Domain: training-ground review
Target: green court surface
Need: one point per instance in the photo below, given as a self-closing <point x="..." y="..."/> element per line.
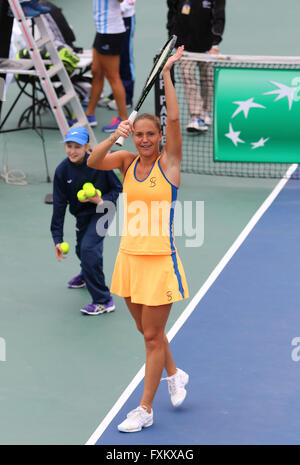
<point x="64" y="371"/>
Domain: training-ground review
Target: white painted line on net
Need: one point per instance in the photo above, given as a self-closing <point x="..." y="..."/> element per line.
<point x="194" y="302"/>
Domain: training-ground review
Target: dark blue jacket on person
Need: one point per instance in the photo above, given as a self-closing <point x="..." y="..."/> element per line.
<point x="199" y="30"/>
<point x="68" y="180"/>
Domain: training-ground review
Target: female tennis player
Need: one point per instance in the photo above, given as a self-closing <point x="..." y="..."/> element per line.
<point x="148" y="272"/>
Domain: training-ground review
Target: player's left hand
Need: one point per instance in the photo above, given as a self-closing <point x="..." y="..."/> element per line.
<point x="173" y="58"/>
<point x="213" y="51"/>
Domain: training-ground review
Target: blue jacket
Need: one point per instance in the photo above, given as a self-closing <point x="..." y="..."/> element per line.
<point x="68" y="180"/>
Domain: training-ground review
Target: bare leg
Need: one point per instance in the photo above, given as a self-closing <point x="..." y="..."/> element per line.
<point x="110" y="65"/>
<point x="97" y="83"/>
<point x="170" y="366"/>
<point x="151" y="322"/>
<point x="154" y="320"/>
<point x="136" y="312"/>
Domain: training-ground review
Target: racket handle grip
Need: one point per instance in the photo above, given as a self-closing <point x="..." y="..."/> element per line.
<point x="131" y="118"/>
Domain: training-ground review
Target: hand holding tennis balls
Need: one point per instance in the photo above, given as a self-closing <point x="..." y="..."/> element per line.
<point x="98" y="197"/>
<point x="61" y="250"/>
<point x="89" y="193"/>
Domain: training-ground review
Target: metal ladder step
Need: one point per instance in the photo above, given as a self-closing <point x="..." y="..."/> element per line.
<point x="66" y="98"/>
<point x="43" y="41"/>
<point x="54" y="70"/>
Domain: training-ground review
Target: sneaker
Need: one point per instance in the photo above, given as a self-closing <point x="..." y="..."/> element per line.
<point x="176" y="386"/>
<point x="207" y="118"/>
<point x="36" y="6"/>
<point x="110" y="305"/>
<point x="91" y="120"/>
<point x="98" y="309"/>
<point x="112" y="105"/>
<point x="77" y="282"/>
<point x="104" y="101"/>
<point x="196" y="124"/>
<point x="112" y="126"/>
<point x="136" y="420"/>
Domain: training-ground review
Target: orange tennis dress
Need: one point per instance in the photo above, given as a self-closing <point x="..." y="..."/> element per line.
<point x="148" y="268"/>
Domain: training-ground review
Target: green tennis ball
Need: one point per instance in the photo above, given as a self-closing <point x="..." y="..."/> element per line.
<point x="99" y="192"/>
<point x="90" y="191"/>
<point x="87" y="185"/>
<point x="65" y="247"/>
<point x="81" y="195"/>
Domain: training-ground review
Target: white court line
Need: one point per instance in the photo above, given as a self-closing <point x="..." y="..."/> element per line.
<point x="194" y="302"/>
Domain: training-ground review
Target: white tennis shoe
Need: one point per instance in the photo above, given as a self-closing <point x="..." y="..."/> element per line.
<point x="196" y="124"/>
<point x="136" y="420"/>
<point x="207" y="118"/>
<point x="176" y="386"/>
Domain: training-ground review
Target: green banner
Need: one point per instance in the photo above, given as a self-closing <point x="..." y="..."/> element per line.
<point x="257" y="115"/>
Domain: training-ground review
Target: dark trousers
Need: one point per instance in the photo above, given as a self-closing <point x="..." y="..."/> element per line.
<point x="89" y="249"/>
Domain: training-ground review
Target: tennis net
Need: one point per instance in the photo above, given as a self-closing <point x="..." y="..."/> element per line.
<point x="201" y="145"/>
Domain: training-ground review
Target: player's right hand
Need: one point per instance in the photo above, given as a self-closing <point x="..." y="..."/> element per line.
<point x="124" y="129"/>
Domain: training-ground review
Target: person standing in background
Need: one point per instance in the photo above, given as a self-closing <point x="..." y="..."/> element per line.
<point x="199" y="25"/>
<point x="127" y="71"/>
<point x="107" y="48"/>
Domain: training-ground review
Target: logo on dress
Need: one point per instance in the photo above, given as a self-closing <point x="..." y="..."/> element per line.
<point x="152" y="182"/>
<point x="169" y="296"/>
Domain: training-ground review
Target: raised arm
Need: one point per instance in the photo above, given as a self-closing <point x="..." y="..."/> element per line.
<point x="173" y="152"/>
<point x="100" y="157"/>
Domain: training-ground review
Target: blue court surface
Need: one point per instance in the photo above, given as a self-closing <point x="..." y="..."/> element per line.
<point x="237" y="347"/>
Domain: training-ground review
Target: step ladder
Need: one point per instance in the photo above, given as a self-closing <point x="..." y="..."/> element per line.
<point x="69" y="96"/>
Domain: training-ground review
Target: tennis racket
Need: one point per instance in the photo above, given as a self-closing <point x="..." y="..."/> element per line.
<point x="156" y="70"/>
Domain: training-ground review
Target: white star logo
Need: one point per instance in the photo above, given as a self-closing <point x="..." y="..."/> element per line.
<point x="283" y="91"/>
<point x="234" y="136"/>
<point x="259" y="143"/>
<point x="245" y="106"/>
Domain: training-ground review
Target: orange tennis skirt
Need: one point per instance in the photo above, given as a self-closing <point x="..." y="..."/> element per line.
<point x="149" y="279"/>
